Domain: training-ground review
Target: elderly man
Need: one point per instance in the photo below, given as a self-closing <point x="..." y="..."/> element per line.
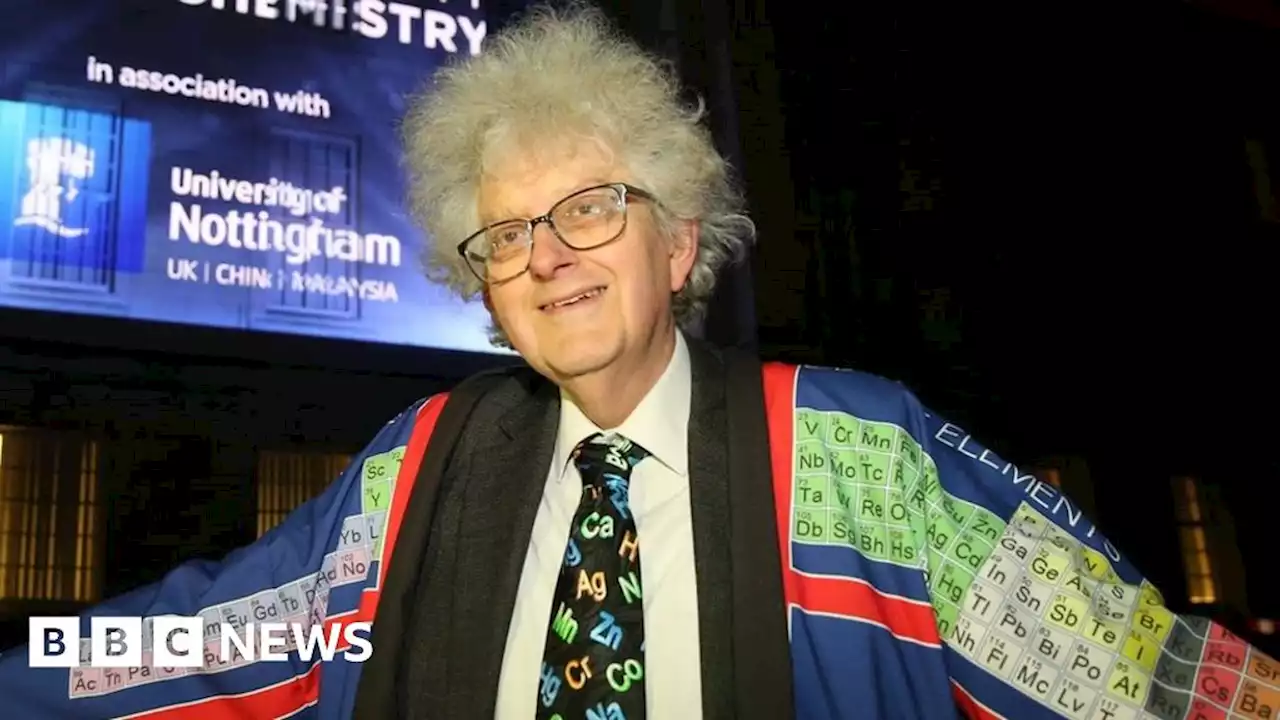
<point x="638" y="525"/>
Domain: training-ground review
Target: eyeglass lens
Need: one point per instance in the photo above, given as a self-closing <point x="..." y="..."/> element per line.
<point x="582" y="221"/>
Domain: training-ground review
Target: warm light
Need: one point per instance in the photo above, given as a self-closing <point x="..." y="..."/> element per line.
<point x="4" y="524"/>
<point x="1201" y="587"/>
<point x="289" y="479"/>
<point x="35" y="562"/>
<point x="1265" y="626"/>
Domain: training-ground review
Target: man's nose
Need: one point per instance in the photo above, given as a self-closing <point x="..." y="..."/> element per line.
<point x="549" y="255"/>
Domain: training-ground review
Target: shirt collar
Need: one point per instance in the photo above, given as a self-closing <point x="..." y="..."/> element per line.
<point x="659" y="424"/>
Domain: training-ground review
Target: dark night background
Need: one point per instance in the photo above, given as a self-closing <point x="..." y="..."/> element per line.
<point x="1044" y="219"/>
<point x="1047" y="221"/>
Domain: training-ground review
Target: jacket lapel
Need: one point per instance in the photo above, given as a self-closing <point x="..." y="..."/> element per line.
<point x="504" y="482"/>
<point x="708" y="497"/>
<point x="761" y="641"/>
<point x="745" y="648"/>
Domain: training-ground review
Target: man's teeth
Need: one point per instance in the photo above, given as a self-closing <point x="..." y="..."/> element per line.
<point x="576" y="298"/>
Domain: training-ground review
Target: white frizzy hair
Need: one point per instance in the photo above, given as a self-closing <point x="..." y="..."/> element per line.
<point x="553" y="78"/>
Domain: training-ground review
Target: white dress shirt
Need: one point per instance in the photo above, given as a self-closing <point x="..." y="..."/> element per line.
<point x="660" y="503"/>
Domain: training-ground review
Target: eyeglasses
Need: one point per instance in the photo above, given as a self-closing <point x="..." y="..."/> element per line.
<point x="584" y="220"/>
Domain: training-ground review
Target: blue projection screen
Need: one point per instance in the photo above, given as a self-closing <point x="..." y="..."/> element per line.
<point x="224" y="163"/>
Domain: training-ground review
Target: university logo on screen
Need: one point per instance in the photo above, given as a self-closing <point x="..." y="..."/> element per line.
<point x="73" y="200"/>
<point x="177" y="643"/>
<point x="58" y="168"/>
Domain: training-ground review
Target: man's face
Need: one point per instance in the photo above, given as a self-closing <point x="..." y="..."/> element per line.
<point x="630" y="280"/>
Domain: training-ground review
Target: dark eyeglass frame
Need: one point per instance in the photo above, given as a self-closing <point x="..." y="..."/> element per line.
<point x="625" y="193"/>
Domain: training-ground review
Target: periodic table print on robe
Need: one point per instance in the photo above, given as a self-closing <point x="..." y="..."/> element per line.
<point x="951" y="547"/>
<point x="923" y="576"/>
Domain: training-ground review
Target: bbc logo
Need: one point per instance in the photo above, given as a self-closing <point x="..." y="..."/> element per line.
<point x="174" y="641"/>
<point x="115" y="642"/>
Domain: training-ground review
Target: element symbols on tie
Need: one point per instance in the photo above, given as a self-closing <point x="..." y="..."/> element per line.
<point x="593" y="664"/>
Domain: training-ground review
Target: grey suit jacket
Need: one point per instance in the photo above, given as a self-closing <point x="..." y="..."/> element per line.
<point x="442" y="623"/>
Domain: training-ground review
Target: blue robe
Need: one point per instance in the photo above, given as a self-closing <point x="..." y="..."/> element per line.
<point x="923" y="576"/>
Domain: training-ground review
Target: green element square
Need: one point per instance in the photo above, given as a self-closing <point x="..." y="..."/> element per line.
<point x="814" y="491"/>
<point x="896" y="510"/>
<point x="873" y="541"/>
<point x="882" y="437"/>
<point x="986" y="526"/>
<point x="811" y="458"/>
<point x="902" y="473"/>
<point x="842" y="430"/>
<point x="902" y="547"/>
<point x="873" y="468"/>
<point x="928" y="487"/>
<point x="940" y="533"/>
<point x="871" y="505"/>
<point x="909" y="450"/>
<point x="811" y="526"/>
<point x="810" y="425"/>
<point x="950" y="581"/>
<point x="376" y="496"/>
<point x="380" y="467"/>
<point x="844" y="466"/>
<point x="846" y="499"/>
<point x="957" y="510"/>
<point x="842" y="532"/>
<point x="968" y="551"/>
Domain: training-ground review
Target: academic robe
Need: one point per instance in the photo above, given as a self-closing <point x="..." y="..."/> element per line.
<point x="857" y="557"/>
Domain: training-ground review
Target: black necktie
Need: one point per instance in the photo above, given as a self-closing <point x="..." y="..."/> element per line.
<point x="593" y="664"/>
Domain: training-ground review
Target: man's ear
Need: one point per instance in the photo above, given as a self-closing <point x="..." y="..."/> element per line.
<point x="683" y="252"/>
